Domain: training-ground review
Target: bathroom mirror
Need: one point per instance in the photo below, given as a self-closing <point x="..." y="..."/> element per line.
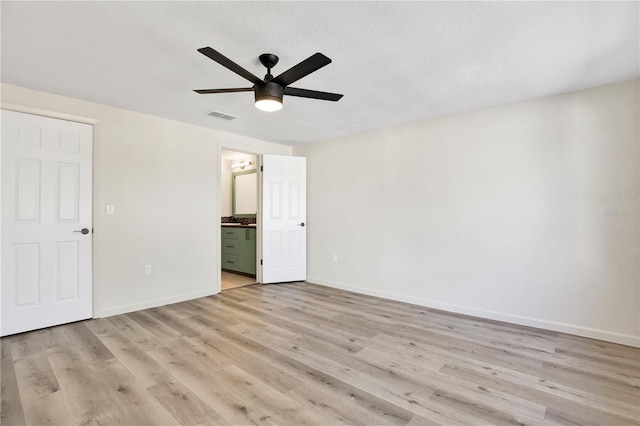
<point x="245" y="193"/>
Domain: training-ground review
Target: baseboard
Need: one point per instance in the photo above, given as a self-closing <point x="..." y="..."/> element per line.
<point x="123" y="309"/>
<point x="624" y="339"/>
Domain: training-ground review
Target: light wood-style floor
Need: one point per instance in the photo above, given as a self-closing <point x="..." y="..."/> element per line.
<point x="295" y="354"/>
<point x="230" y="280"/>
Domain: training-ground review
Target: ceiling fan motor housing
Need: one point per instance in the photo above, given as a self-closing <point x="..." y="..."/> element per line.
<point x="269" y="91"/>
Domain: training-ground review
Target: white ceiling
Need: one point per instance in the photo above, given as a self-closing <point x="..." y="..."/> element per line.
<point x="394" y="62"/>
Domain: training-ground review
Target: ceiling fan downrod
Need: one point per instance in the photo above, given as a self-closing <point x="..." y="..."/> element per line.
<point x="269" y="60"/>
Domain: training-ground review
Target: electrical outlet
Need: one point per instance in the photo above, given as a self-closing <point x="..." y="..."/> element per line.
<point x="335" y="258"/>
<point x="147" y="269"/>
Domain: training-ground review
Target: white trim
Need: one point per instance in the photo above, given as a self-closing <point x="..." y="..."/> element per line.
<point x="593" y="333"/>
<point x="218" y="284"/>
<point x="259" y="222"/>
<point x="123" y="309"/>
<point x="47" y="113"/>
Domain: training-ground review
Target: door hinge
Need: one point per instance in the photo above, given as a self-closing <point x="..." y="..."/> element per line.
<point x="262" y="168"/>
<point x="261" y="261"/>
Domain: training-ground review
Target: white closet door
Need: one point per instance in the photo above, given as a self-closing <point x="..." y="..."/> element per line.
<point x="284" y="212"/>
<point x="46" y="222"/>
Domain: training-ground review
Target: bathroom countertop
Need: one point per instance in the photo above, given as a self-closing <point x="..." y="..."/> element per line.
<point x="237" y="225"/>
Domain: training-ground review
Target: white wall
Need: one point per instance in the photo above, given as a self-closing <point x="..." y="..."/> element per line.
<point x="162" y="176"/>
<point x="526" y="213"/>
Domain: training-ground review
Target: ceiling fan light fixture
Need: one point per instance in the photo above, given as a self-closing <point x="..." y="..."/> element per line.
<point x="241" y="164"/>
<point x="268" y="105"/>
<point x="269" y="97"/>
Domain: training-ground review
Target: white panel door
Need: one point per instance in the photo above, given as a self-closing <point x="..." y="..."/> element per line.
<point x="284" y="212"/>
<point x="46" y="204"/>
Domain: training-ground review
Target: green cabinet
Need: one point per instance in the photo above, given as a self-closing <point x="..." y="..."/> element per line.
<point x="239" y="249"/>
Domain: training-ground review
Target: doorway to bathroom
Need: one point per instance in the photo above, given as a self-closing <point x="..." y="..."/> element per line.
<point x="238" y="221"/>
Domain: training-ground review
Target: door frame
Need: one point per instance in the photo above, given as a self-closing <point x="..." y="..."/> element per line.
<point x="77" y="119"/>
<point x="222" y="147"/>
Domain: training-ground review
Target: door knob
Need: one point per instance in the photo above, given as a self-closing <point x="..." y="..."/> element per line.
<point x="301" y="224"/>
<point x="83" y="231"/>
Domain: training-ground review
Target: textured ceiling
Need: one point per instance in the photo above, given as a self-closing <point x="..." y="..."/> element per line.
<point x="394" y="62"/>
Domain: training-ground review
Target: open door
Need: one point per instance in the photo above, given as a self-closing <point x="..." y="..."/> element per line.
<point x="284" y="213"/>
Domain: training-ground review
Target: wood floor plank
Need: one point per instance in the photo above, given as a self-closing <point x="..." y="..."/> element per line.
<point x="326" y="408"/>
<point x="442" y="346"/>
<point x="35" y="377"/>
<point x="400" y="402"/>
<point x="491" y="378"/>
<point x="85" y="342"/>
<point x="183" y="360"/>
<point x="185" y="407"/>
<point x="206" y="309"/>
<point x="303" y="354"/>
<point x="50" y="409"/>
<point x="25" y="344"/>
<point x="258" y="367"/>
<point x="11" y="409"/>
<point x="379" y="410"/>
<point x="84" y="392"/>
<point x="326" y="330"/>
<point x="147" y="371"/>
<point x="586" y="345"/>
<point x="616" y="360"/>
<point x="134" y="332"/>
<point x="52" y="338"/>
<point x="157" y="328"/>
<point x="462" y="391"/>
<point x="585" y="416"/>
<point x="603" y="402"/>
<point x="178" y="324"/>
<point x="248" y="394"/>
<point x="591" y="380"/>
<point x="130" y="398"/>
<point x="104" y="392"/>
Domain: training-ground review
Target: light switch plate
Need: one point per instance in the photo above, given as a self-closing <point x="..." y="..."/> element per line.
<point x="110" y="209"/>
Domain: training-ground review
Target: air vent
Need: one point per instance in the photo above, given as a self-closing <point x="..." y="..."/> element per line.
<point x="221" y="115"/>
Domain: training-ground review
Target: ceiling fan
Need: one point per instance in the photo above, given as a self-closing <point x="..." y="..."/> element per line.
<point x="269" y="92"/>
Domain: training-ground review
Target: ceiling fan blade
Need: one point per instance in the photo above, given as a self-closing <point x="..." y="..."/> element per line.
<point x="228" y="63"/>
<point x="313" y="94"/>
<point x="306" y="67"/>
<point x="240" y="89"/>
